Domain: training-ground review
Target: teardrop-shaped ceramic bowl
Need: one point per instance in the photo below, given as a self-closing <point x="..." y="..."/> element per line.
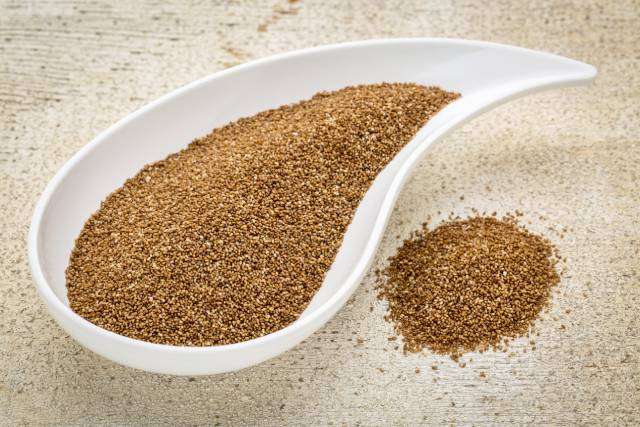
<point x="486" y="75"/>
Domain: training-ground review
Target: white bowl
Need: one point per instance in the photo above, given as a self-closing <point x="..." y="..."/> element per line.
<point x="485" y="74"/>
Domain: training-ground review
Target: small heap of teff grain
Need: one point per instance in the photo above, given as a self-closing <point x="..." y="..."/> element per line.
<point x="468" y="284"/>
<point x="230" y="238"/>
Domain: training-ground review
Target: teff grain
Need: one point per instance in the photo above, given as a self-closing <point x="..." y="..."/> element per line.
<point x="468" y="284"/>
<point x="230" y="238"/>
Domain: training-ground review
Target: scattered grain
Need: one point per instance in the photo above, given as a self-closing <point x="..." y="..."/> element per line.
<point x="468" y="284"/>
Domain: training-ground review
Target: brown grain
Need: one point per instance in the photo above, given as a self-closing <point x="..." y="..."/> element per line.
<point x="468" y="284"/>
<point x="230" y="238"/>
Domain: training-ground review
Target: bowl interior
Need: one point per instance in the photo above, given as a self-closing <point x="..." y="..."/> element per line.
<point x="169" y="124"/>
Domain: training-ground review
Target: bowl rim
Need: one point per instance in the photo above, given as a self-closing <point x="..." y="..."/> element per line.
<point x="55" y="304"/>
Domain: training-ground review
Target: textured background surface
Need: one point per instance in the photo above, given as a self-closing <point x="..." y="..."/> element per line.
<point x="69" y="69"/>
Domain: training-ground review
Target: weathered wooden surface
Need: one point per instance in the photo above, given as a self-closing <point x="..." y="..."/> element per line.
<point x="68" y="69"/>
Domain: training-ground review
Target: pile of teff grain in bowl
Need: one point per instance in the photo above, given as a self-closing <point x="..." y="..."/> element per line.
<point x="230" y="239"/>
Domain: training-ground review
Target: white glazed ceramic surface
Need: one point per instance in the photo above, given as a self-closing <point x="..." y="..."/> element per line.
<point x="485" y="74"/>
